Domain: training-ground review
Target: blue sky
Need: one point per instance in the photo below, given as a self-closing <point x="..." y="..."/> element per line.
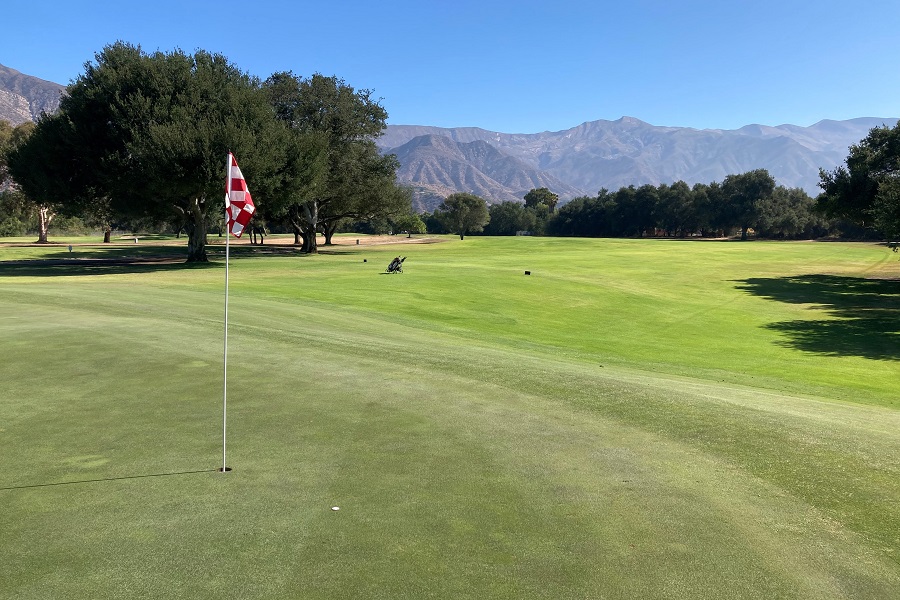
<point x="516" y="67"/>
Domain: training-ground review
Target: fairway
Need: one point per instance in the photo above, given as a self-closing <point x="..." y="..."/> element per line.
<point x="634" y="419"/>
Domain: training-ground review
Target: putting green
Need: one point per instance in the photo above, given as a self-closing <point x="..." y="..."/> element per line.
<point x="636" y="419"/>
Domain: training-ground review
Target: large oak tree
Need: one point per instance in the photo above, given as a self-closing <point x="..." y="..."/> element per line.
<point x="463" y="213"/>
<point x="148" y="134"/>
<point x="356" y="182"/>
<point x="744" y="195"/>
<point x="865" y="188"/>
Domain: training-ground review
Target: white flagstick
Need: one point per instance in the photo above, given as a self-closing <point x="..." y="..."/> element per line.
<point x="225" y="368"/>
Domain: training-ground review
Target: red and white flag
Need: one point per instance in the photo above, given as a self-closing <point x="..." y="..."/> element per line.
<point x="239" y="205"/>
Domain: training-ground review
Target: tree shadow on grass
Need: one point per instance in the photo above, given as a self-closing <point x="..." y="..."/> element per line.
<point x="113" y="260"/>
<point x="102" y="479"/>
<point x="864" y="314"/>
<point x="68" y="267"/>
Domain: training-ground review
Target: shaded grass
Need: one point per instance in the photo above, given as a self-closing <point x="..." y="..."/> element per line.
<point x="485" y="434"/>
<point x="863" y="313"/>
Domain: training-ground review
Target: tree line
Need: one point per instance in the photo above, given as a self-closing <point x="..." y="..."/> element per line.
<point x="860" y="199"/>
<point x="741" y="203"/>
<point x="142" y="138"/>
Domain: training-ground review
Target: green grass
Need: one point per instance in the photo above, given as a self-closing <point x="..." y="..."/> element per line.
<point x="635" y="419"/>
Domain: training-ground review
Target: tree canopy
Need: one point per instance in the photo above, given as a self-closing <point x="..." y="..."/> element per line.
<point x="16" y="207"/>
<point x="864" y="189"/>
<point x="541" y="196"/>
<point x="145" y="136"/>
<point x="463" y="213"/>
<point x="745" y="193"/>
<point x="148" y="135"/>
<point x="744" y="201"/>
<point x="354" y="182"/>
<point x="509" y="218"/>
<point x="10" y="139"/>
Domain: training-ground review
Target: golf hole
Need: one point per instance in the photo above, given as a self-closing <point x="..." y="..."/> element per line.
<point x="224" y="469"/>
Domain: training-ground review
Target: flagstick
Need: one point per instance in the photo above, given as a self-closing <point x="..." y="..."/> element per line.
<point x="225" y="353"/>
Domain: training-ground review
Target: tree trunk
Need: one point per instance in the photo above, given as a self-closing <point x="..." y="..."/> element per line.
<point x="196" y="230"/>
<point x="329" y="230"/>
<point x="304" y="220"/>
<point x="45" y="215"/>
<point x="107" y="234"/>
<point x="744" y="234"/>
<point x="311" y="214"/>
<point x="462" y="236"/>
<point x="310" y="243"/>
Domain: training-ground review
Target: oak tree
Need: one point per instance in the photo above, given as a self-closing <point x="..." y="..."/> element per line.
<point x="148" y="134"/>
<point x="463" y="213"/>
<point x="864" y="189"/>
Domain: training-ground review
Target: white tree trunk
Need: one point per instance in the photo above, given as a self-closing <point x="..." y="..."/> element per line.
<point x="45" y="215"/>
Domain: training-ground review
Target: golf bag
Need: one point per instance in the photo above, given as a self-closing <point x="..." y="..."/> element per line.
<point x="396" y="265"/>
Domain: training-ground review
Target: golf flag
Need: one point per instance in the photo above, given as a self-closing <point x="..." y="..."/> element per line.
<point x="239" y="205"/>
<point x="239" y="208"/>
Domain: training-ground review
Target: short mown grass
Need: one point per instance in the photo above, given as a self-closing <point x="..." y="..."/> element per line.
<point x="635" y="419"/>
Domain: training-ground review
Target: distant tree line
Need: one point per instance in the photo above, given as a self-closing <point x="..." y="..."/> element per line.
<point x="740" y="204"/>
<point x="464" y="213"/>
<point x="859" y="199"/>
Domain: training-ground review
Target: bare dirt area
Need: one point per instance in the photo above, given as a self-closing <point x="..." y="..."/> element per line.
<point x="275" y="244"/>
<point x="339" y="240"/>
<point x="213" y="240"/>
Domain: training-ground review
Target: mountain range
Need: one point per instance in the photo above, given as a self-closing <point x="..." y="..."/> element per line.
<point x="437" y="161"/>
<point x="436" y="166"/>
<point x="23" y="97"/>
<point x="612" y="154"/>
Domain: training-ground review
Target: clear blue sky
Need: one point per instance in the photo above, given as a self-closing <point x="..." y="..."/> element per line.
<point x="516" y="67"/>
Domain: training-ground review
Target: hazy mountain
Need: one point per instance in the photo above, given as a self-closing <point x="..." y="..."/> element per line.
<point x="437" y="166"/>
<point x="23" y="97"/>
<point x="628" y="151"/>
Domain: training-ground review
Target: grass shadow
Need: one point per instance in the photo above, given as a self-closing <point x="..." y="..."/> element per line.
<point x="121" y="478"/>
<point x="114" y="260"/>
<point x="57" y="260"/>
<point x="864" y="314"/>
<point x="95" y="266"/>
<point x="120" y="252"/>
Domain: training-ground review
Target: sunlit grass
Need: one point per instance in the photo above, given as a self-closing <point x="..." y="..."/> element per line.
<point x="634" y="419"/>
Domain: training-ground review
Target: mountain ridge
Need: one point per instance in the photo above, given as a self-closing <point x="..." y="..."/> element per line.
<point x="437" y="166"/>
<point x="572" y="162"/>
<point x="23" y="97"/>
<point x="628" y="151"/>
